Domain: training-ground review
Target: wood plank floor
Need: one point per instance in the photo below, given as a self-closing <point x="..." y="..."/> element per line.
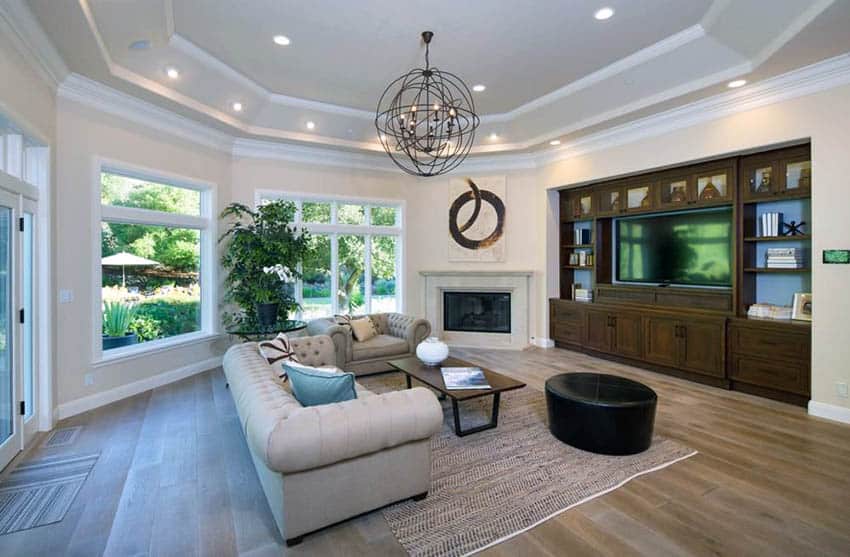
<point x="175" y="478"/>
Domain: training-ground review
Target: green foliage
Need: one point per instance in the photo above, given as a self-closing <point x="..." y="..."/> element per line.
<point x="146" y="328"/>
<point x="117" y="317"/>
<point x="172" y="316"/>
<point x="383" y="216"/>
<point x="131" y="192"/>
<point x="316" y="212"/>
<point x="257" y="239"/>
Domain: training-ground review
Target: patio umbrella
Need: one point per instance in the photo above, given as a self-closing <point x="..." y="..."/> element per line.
<point x="124" y="259"/>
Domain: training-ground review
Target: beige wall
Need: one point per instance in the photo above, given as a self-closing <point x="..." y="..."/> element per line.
<point x="823" y="117"/>
<point x="24" y="96"/>
<point x="84" y="134"/>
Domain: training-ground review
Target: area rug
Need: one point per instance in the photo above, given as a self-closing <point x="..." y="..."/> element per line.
<point x="41" y="491"/>
<point x="493" y="485"/>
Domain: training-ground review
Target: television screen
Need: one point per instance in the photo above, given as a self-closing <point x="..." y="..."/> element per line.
<point x="693" y="248"/>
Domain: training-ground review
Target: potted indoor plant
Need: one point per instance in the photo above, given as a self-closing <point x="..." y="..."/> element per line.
<point x="262" y="249"/>
<point x="117" y="317"/>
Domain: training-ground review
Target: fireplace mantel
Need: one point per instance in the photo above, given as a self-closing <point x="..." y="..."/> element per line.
<point x="518" y="283"/>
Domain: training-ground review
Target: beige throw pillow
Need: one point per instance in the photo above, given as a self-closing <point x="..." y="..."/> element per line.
<point x="363" y="329"/>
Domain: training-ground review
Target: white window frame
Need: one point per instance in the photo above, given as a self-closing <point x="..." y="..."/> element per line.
<point x="204" y="223"/>
<point x="334" y="229"/>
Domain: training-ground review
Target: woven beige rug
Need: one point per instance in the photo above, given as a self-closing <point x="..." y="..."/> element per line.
<point x="491" y="486"/>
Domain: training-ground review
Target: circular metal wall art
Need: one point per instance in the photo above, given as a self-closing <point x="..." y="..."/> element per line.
<point x="426" y="119"/>
<point x="476" y="196"/>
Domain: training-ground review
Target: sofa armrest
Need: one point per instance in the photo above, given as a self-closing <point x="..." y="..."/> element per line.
<point x="316" y="436"/>
<point x="412" y="329"/>
<point x="340" y="335"/>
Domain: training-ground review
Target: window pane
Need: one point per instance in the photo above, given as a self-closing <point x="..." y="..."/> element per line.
<point x="124" y="191"/>
<point x="316" y="288"/>
<point x="383" y="216"/>
<point x="383" y="274"/>
<point x="316" y="212"/>
<point x="150" y="286"/>
<point x="29" y="314"/>
<point x="351" y="293"/>
<point x="350" y="214"/>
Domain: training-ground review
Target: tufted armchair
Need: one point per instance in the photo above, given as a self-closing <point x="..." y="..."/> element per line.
<point x="398" y="337"/>
<point x="375" y="449"/>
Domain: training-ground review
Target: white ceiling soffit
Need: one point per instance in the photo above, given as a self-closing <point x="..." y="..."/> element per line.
<point x="715" y="42"/>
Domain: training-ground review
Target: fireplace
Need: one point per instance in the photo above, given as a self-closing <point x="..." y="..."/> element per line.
<point x="477" y="312"/>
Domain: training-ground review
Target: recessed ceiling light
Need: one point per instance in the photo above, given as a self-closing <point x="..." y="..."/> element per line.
<point x="478" y="88"/>
<point x="604" y="13"/>
<point x="737" y="83"/>
<point x="237" y="106"/>
<point x="311" y="125"/>
<point x="281" y="40"/>
<point x="173" y="73"/>
<point x="494" y="136"/>
<point x="142" y="44"/>
<point x="555" y="142"/>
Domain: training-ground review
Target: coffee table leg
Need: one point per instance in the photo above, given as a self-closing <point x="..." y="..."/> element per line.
<point x="494" y="418"/>
<point x="407" y="379"/>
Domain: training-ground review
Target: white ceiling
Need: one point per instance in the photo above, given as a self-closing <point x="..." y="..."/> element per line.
<point x="551" y="70"/>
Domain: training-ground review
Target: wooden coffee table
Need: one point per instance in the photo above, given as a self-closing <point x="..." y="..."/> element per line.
<point x="431" y="376"/>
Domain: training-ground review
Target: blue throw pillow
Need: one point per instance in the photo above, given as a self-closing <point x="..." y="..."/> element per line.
<point x="313" y="387"/>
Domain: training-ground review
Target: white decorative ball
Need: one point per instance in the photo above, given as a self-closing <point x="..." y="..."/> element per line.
<point x="432" y="351"/>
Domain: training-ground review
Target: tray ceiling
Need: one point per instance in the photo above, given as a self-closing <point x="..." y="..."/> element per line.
<point x="551" y="69"/>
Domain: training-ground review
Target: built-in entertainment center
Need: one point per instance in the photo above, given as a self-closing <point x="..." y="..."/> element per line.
<point x="661" y="269"/>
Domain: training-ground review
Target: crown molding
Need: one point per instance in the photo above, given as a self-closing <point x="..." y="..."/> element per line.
<point x="19" y="24"/>
<point x="821" y="76"/>
<point x="817" y="77"/>
<point x="106" y="99"/>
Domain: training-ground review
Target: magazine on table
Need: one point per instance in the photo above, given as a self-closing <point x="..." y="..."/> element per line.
<point x="459" y="378"/>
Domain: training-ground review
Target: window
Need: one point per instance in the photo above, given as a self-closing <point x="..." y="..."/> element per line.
<point x="355" y="259"/>
<point x="155" y="251"/>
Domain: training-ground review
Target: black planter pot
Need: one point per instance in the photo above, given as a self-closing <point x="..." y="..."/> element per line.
<point x="267" y="314"/>
<point x="117" y="342"/>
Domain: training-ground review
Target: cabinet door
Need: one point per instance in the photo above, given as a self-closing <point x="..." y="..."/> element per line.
<point x="610" y="201"/>
<point x="597" y="330"/>
<point x="713" y="185"/>
<point x="675" y="191"/>
<point x="639" y="196"/>
<point x="627" y="328"/>
<point x="661" y="340"/>
<point x="702" y="347"/>
<point x="796" y="173"/>
<point x="759" y="179"/>
<point x="581" y="205"/>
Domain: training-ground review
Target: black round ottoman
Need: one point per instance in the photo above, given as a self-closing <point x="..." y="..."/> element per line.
<point x="601" y="413"/>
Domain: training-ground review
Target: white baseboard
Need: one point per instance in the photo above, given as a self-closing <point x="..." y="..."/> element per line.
<point x="829" y="411"/>
<point x="97" y="400"/>
<point x="543" y="342"/>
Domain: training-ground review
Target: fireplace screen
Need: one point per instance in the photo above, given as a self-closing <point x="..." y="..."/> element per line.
<point x="477" y="312"/>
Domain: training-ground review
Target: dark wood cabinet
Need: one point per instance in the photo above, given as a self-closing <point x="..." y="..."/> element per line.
<point x="566" y="322"/>
<point x="597" y="330"/>
<point x="777" y="174"/>
<point x="695" y="345"/>
<point x="626" y="334"/>
<point x="580" y="204"/>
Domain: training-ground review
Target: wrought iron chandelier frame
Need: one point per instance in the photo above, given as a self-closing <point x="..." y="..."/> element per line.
<point x="426" y="119"/>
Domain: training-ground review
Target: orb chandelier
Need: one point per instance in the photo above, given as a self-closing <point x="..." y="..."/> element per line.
<point x="426" y="119"/>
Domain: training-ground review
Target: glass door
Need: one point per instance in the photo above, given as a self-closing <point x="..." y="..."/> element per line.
<point x="10" y="384"/>
<point x="26" y="320"/>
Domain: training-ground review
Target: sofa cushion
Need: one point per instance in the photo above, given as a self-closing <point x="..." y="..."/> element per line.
<point x="380" y="346"/>
<point x="314" y="387"/>
<point x="363" y="328"/>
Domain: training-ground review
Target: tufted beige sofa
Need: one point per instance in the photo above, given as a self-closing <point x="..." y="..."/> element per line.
<point x="398" y="337"/>
<point x="322" y="464"/>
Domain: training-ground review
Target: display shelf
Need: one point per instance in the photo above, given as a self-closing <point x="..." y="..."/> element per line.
<point x="797" y="238"/>
<point x="578" y="246"/>
<point x="773" y="270"/>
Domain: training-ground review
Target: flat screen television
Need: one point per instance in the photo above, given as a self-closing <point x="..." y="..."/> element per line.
<point x="692" y="248"/>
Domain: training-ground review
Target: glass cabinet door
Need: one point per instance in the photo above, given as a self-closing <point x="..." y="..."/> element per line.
<point x="759" y="181"/>
<point x="581" y="205"/>
<point x="798" y="176"/>
<point x="713" y="186"/>
<point x="674" y="192"/>
<point x="610" y="201"/>
<point x="639" y="198"/>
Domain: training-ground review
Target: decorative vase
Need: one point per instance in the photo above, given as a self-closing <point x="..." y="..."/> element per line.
<point x="117" y="342"/>
<point x="432" y="351"/>
<point x="267" y="314"/>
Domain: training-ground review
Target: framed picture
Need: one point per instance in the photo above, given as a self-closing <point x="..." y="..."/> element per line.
<point x="802" y="310"/>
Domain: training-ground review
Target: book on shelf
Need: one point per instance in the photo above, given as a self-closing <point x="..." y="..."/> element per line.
<point x="582" y="259"/>
<point x="770" y="224"/>
<point x="583" y="295"/>
<point x="460" y="378"/>
<point x="582" y="236"/>
<point x="785" y="258"/>
<point x="769" y="311"/>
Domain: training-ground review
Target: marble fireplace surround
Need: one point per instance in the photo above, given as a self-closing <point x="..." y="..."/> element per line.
<point x="518" y="283"/>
